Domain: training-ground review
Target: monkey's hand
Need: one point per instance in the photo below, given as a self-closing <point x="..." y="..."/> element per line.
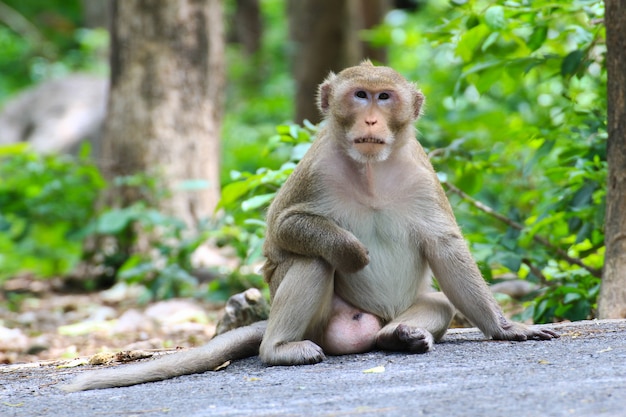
<point x="521" y="332"/>
<point x="348" y="255"/>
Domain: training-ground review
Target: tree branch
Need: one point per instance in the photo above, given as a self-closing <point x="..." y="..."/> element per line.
<point x="539" y="239"/>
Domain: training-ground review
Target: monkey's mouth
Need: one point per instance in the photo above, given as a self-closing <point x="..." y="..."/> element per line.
<point x="369" y="146"/>
<point x="374" y="141"/>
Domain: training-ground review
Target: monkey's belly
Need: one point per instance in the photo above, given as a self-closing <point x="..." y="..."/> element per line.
<point x="389" y="285"/>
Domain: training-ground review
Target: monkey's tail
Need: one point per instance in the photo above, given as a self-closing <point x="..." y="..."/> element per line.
<point x="236" y="344"/>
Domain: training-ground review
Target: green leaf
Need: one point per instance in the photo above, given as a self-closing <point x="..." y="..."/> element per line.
<point x="585" y="232"/>
<point x="494" y="17"/>
<point x="572" y="296"/>
<point x="294" y="131"/>
<point x="571" y="62"/>
<point x="470" y="41"/>
<point x="255" y="222"/>
<point x="257" y="201"/>
<point x="283" y="129"/>
<point x="583" y="195"/>
<point x="491" y="39"/>
<point x="472" y="21"/>
<point x="471" y="182"/>
<point x="538" y="37"/>
<point x="309" y="125"/>
<point x="511" y="261"/>
<point x="232" y="192"/>
<point x="114" y="221"/>
<point x="13" y="149"/>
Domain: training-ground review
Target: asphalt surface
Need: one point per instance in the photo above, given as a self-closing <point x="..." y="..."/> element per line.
<point x="581" y="374"/>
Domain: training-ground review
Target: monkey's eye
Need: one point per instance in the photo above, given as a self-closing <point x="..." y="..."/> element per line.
<point x="361" y="94"/>
<point x="384" y="96"/>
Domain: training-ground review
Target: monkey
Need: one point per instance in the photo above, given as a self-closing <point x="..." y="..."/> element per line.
<point x="354" y="238"/>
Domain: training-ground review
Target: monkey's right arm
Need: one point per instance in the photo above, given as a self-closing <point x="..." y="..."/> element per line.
<point x="315" y="235"/>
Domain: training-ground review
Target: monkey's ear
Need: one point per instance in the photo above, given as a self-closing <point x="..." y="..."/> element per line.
<point x="323" y="93"/>
<point x="418" y="102"/>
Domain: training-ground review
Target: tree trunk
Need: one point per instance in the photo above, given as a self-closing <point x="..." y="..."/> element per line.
<point x="373" y="13"/>
<point x="165" y="103"/>
<point x="96" y="13"/>
<point x="248" y="25"/>
<point x="612" y="302"/>
<point x="325" y="37"/>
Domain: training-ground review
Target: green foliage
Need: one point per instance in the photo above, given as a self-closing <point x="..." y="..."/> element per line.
<point x="43" y="40"/>
<point x="515" y="117"/>
<point x="153" y="249"/>
<point x="259" y="96"/>
<point x="140" y="245"/>
<point x="247" y="197"/>
<point x="45" y="201"/>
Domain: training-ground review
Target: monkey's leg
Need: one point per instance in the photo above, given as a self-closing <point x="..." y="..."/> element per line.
<point x="419" y="327"/>
<point x="301" y="306"/>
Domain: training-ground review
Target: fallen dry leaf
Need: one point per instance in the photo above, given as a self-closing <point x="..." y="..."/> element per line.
<point x="132" y="355"/>
<point x="102" y="358"/>
<point x="74" y="363"/>
<point x="222" y="366"/>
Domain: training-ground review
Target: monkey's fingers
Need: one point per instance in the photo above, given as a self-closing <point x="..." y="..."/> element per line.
<point x="543" y="334"/>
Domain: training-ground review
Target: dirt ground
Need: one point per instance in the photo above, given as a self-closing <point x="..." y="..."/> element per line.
<point x="39" y="322"/>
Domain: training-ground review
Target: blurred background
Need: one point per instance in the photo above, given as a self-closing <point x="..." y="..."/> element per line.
<point x="141" y="142"/>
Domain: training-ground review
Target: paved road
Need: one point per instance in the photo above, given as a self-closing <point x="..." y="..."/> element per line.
<point x="581" y="374"/>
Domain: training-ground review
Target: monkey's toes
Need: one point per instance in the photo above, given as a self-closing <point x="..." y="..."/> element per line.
<point x="414" y="339"/>
<point x="303" y="352"/>
<point x="544" y="334"/>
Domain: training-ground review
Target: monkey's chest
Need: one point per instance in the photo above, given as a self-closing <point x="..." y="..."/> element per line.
<point x="391" y="281"/>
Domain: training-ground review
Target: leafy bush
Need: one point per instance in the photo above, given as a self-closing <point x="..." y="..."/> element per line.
<point x="46" y="202"/>
<point x="246" y="198"/>
<point x="140" y="245"/>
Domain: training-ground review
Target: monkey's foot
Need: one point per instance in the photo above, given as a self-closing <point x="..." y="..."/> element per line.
<point x="406" y="338"/>
<point x="520" y="332"/>
<point x="303" y="352"/>
<point x="242" y="310"/>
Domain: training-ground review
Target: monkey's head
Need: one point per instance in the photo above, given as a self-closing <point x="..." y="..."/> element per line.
<point x="369" y="109"/>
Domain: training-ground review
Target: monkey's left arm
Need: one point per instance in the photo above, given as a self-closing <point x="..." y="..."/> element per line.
<point x="461" y="281"/>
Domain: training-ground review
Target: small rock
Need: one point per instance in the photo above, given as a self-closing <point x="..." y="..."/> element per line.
<point x="515" y="288"/>
<point x="172" y="312"/>
<point x="243" y="309"/>
<point x="38" y="345"/>
<point x="132" y="321"/>
<point x="102" y="313"/>
<point x="122" y="291"/>
<point x="12" y="340"/>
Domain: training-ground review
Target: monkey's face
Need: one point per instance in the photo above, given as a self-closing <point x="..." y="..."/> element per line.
<point x="370" y="109"/>
<point x="369" y="135"/>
